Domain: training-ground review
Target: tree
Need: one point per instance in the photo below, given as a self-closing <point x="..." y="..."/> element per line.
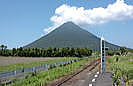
<point x="117" y="53"/>
<point x="110" y="52"/>
<point x="2" y="47"/>
<point x="2" y="52"/>
<point x="72" y="52"/>
<point x="14" y="51"/>
<point x="5" y="47"/>
<point x="123" y="51"/>
<point x="20" y="51"/>
<point x="49" y="52"/>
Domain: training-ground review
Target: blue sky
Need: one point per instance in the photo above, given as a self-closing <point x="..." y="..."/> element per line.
<point x="23" y="21"/>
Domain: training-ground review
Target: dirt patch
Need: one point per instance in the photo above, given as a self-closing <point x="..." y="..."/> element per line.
<point x="13" y="60"/>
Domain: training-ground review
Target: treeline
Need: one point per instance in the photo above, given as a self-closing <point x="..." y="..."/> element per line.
<point x="123" y="51"/>
<point x="49" y="52"/>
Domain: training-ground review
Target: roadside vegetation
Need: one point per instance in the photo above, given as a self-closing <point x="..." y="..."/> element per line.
<point x="122" y="69"/>
<point x="43" y="78"/>
<point x="121" y="65"/>
<point x="122" y="51"/>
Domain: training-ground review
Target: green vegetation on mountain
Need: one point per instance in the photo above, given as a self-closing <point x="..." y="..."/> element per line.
<point x="69" y="35"/>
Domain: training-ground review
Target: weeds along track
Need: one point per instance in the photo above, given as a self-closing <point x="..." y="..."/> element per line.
<point x="91" y="66"/>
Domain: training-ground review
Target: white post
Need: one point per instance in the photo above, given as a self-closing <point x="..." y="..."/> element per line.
<point x="15" y="72"/>
<point x="103" y="58"/>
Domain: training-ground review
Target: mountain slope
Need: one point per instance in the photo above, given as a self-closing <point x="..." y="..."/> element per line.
<point x="69" y="35"/>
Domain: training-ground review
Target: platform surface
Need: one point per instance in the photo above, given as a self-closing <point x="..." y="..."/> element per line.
<point x="104" y="79"/>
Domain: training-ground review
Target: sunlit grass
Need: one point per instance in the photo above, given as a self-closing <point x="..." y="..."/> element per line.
<point x="31" y="64"/>
<point x="121" y="68"/>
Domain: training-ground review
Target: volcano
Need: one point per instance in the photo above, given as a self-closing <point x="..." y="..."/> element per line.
<point x="69" y="35"/>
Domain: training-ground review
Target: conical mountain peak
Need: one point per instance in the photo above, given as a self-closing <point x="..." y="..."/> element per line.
<point x="69" y="25"/>
<point x="69" y="35"/>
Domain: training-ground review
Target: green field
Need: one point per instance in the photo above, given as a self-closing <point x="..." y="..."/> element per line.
<point x="31" y="64"/>
<point x="122" y="68"/>
<point x="39" y="79"/>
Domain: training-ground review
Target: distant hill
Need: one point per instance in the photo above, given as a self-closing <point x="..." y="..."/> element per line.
<point x="69" y="35"/>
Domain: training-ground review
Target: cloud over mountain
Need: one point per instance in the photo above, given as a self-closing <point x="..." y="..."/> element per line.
<point x="117" y="11"/>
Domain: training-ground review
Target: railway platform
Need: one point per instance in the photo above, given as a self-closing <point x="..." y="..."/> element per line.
<point x="94" y="79"/>
<point x="104" y="79"/>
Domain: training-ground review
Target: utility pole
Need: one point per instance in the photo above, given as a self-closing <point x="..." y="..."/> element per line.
<point x="103" y="56"/>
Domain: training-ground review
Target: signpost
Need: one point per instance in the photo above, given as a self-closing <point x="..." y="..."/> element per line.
<point x="103" y="57"/>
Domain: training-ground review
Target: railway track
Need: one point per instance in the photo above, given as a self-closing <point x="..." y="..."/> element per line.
<point x="91" y="66"/>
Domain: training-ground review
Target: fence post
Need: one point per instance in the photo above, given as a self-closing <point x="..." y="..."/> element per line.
<point x="33" y="69"/>
<point x="46" y="66"/>
<point x="15" y="72"/>
<point x="23" y="70"/>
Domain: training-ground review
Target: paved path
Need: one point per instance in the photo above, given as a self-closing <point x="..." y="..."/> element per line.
<point x="104" y="79"/>
<point x="98" y="79"/>
<point x="93" y="79"/>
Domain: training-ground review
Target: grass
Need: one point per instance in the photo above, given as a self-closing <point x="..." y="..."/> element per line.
<point x="107" y="64"/>
<point x="122" y="68"/>
<point x="45" y="77"/>
<point x="31" y="64"/>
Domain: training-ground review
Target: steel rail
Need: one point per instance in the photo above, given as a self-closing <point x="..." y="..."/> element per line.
<point x="92" y="65"/>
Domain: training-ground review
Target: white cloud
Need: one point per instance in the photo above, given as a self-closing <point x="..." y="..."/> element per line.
<point x="81" y="16"/>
